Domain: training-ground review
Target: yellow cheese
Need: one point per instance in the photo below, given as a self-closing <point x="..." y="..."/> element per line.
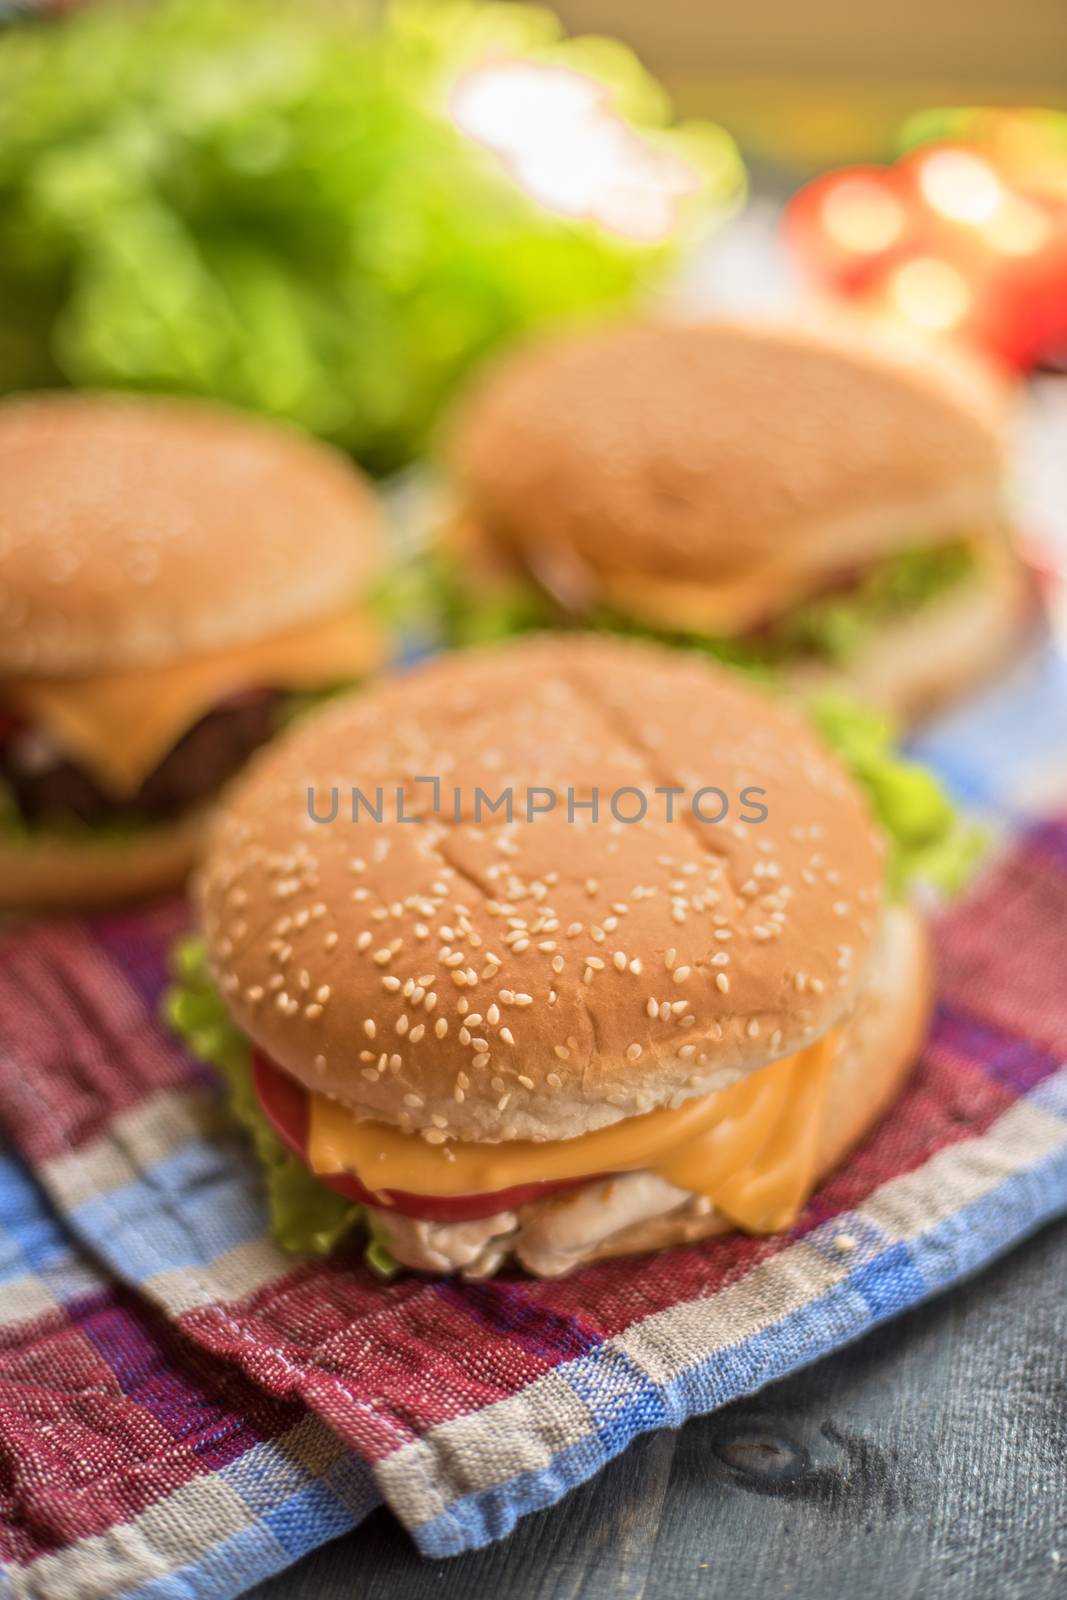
<point x="751" y="1148"/>
<point x="121" y="725"/>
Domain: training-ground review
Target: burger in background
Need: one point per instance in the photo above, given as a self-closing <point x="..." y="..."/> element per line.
<point x="174" y="580"/>
<point x="548" y="1034"/>
<point x="821" y="504"/>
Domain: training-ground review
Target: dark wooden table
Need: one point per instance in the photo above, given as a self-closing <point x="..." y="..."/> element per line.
<point x="928" y="1460"/>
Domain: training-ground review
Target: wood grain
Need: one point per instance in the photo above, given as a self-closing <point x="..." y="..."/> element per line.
<point x="930" y="1459"/>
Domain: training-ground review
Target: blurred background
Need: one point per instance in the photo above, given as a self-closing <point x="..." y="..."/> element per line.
<point x="330" y="210"/>
<point x="806" y="86"/>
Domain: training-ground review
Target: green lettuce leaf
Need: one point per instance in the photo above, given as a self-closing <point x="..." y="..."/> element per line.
<point x="835" y="627"/>
<point x="831" y="627"/>
<point x="930" y="843"/>
<point x="307" y="1217"/>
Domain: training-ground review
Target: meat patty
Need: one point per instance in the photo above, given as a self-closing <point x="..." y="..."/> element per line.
<point x="49" y="788"/>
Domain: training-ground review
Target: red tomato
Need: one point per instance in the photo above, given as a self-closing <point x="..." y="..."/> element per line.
<point x="284" y="1103"/>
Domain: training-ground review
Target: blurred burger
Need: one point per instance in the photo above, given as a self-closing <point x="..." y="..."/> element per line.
<point x="557" y="1036"/>
<point x="825" y="505"/>
<point x="173" y="579"/>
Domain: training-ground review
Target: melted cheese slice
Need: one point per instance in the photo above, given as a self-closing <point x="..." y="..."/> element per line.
<point x="751" y="1149"/>
<point x="121" y="725"/>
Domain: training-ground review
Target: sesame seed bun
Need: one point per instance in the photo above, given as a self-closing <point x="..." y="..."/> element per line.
<point x="662" y="457"/>
<point x="56" y="870"/>
<point x="496" y="981"/>
<point x="137" y="532"/>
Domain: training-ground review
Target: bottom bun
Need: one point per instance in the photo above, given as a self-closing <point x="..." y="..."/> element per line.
<point x="879" y="1047"/>
<point x="940" y="652"/>
<point x="56" y="870"/>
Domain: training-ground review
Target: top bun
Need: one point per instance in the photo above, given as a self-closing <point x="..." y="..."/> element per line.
<point x="693" y="454"/>
<point x="541" y="979"/>
<point x="134" y="532"/>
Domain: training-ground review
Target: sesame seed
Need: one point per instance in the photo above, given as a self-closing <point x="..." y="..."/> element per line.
<point x="681" y="973"/>
<point x="391" y="983"/>
<point x="722" y="983"/>
<point x="527" y="1083"/>
<point x="440" y="1027"/>
<point x="434" y="1136"/>
<point x="634" y="1052"/>
<point x="481" y="1060"/>
<point x="562" y="1052"/>
<point x="370" y="1028"/>
<point x="507" y="1036"/>
<point x="554" y="1080"/>
<point x="417" y="1032"/>
<point x="383" y="956"/>
<point x="635" y="966"/>
<point x="412" y="1100"/>
<point x="752" y="1028"/>
<point x="619" y="960"/>
<point x="312" y="1011"/>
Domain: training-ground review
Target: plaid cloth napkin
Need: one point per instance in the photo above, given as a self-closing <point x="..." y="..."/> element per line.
<point x="184" y="1410"/>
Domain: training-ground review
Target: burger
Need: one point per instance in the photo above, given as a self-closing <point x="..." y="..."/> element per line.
<point x="827" y="507"/>
<point x="175" y="580"/>
<point x="469" y="990"/>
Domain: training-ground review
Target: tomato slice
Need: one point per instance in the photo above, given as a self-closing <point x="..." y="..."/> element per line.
<point x="284" y="1103"/>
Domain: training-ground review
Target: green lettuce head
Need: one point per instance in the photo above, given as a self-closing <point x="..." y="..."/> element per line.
<point x="274" y="202"/>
